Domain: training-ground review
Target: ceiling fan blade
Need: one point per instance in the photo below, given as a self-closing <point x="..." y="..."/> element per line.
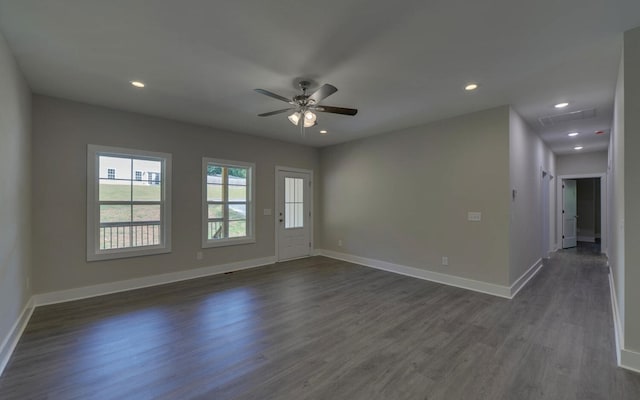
<point x="323" y="92"/>
<point x="275" y="96"/>
<point x="275" y="112"/>
<point x="337" y="110"/>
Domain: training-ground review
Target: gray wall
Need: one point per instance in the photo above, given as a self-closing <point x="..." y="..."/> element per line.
<point x="62" y="130"/>
<point x="403" y="197"/>
<point x="15" y="221"/>
<point x="528" y="157"/>
<point x="632" y="187"/>
<point x="582" y="163"/>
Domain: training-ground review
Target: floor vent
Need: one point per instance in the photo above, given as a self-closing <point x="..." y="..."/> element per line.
<point x="553" y="120"/>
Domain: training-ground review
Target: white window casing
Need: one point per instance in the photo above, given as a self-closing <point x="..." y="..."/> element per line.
<point x="127" y="217"/>
<point x="228" y="203"/>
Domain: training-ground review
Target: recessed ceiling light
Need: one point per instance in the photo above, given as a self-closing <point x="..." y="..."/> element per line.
<point x="137" y="84"/>
<point x="578" y="148"/>
<point x="323" y="132"/>
<point x="561" y="105"/>
<point x="471" y="86"/>
<point x="574" y="133"/>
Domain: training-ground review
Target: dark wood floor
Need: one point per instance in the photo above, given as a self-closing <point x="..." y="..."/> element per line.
<point x="323" y="329"/>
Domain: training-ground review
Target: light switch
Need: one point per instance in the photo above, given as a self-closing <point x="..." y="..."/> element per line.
<point x="474" y="216"/>
<point x="267" y="211"/>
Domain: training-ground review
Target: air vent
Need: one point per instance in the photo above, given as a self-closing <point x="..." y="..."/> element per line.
<point x="553" y="120"/>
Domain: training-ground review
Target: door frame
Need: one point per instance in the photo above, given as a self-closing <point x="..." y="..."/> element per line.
<point x="604" y="242"/>
<point x="278" y="169"/>
<point x="548" y="244"/>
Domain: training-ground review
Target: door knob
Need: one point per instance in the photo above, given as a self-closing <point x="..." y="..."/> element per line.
<point x="281" y="220"/>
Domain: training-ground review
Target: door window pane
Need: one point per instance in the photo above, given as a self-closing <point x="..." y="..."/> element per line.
<point x="294" y="203"/>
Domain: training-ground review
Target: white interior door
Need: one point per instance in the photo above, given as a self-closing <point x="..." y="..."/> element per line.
<point x="569" y="210"/>
<point x="293" y="215"/>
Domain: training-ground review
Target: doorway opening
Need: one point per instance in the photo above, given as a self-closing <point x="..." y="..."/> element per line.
<point x="582" y="215"/>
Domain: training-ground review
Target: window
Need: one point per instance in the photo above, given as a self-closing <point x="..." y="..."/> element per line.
<point x="227" y="202"/>
<point x="293" y="203"/>
<point x="127" y="216"/>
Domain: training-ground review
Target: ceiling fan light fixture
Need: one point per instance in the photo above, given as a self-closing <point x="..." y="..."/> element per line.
<point x="294" y="118"/>
<point x="310" y="116"/>
<point x="306" y="106"/>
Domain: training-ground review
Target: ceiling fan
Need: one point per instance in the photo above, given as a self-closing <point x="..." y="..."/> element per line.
<point x="304" y="106"/>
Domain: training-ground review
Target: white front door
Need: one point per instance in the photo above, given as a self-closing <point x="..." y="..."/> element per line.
<point x="569" y="210"/>
<point x="293" y="214"/>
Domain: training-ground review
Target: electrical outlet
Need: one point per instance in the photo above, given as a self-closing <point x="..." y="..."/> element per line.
<point x="474" y="216"/>
<point x="199" y="255"/>
<point x="340" y="242"/>
<point x="445" y="260"/>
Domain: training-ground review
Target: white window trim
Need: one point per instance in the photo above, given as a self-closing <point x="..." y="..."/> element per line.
<point x="251" y="207"/>
<point x="93" y="211"/>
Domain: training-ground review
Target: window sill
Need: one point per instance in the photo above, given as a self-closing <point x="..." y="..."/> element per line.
<point x="227" y="242"/>
<point x="127" y="253"/>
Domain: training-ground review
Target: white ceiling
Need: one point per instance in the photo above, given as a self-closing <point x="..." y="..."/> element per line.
<point x="401" y="63"/>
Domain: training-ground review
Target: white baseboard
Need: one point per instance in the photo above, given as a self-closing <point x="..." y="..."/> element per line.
<point x="138" y="283"/>
<point x="617" y="326"/>
<point x="11" y="341"/>
<point x="526" y="277"/>
<point x="630" y="360"/>
<point x="627" y="359"/>
<point x="446" y="279"/>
